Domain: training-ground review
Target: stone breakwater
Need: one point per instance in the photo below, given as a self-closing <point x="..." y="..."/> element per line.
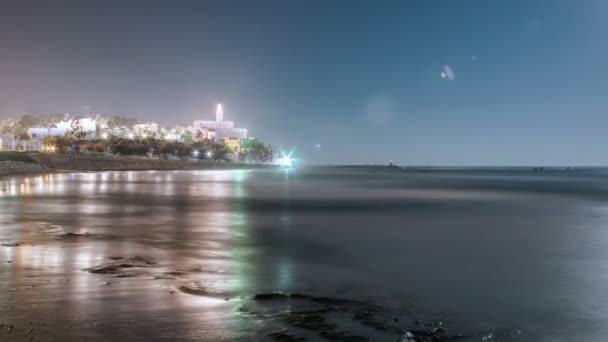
<point x="59" y="162"/>
<point x="16" y="167"/>
<point x="87" y="163"/>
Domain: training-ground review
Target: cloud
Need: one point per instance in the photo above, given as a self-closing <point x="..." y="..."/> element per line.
<point x="379" y="110"/>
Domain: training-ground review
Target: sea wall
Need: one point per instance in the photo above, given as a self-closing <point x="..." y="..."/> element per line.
<point x="89" y="163"/>
<point x="16" y="167"/>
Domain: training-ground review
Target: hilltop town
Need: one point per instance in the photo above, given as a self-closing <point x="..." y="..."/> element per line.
<point x="216" y="140"/>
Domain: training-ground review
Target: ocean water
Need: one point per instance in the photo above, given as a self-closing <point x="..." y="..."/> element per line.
<point x="500" y="254"/>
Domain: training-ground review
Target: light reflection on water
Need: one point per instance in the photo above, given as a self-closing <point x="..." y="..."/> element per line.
<point x="526" y="249"/>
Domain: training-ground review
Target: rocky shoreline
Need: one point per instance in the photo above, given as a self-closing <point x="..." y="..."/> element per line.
<point x="41" y="162"/>
<point x="8" y="168"/>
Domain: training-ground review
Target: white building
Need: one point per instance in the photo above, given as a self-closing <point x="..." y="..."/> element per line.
<point x="222" y="129"/>
<point x="146" y="128"/>
<point x="230" y="133"/>
<point x="201" y="134"/>
<point x="9" y="143"/>
<point x="30" y="145"/>
<point x="218" y="123"/>
<point x="86" y="125"/>
<point x="172" y="137"/>
<point x="43" y="132"/>
<point x="212" y="124"/>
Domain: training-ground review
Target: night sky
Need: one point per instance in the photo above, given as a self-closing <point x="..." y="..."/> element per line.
<point x="525" y="82"/>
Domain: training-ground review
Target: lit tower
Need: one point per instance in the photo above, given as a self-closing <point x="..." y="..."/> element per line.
<point x="219" y="113"/>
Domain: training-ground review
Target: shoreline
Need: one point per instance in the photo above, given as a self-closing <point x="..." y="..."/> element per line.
<point x="41" y="163"/>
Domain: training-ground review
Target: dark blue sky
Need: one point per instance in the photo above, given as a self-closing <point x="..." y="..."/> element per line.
<point x="360" y="78"/>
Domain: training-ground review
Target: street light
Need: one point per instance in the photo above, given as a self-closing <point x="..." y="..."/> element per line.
<point x="195" y="153"/>
<point x="209" y="154"/>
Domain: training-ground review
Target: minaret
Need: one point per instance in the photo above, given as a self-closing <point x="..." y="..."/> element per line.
<point x="219" y="113"/>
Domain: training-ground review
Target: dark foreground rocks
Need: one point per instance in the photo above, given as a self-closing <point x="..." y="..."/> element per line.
<point x="123" y="268"/>
<point x="307" y="317"/>
<point x="287" y="317"/>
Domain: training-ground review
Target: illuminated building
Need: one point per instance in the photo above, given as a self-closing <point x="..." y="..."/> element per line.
<point x="247" y="144"/>
<point x="9" y="143"/>
<point x="146" y="128"/>
<point x="30" y="145"/>
<point x="223" y="129"/>
<point x="230" y="133"/>
<point x="232" y="144"/>
<point x="86" y="125"/>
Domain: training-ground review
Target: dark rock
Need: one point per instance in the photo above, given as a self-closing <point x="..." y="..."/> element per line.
<point x="128" y="274"/>
<point x="437" y="334"/>
<point x="198" y="289"/>
<point x="308" y="320"/>
<point x="75" y="235"/>
<point x="337" y="335"/>
<point x="297" y="295"/>
<point x="11" y="244"/>
<point x="284" y="336"/>
<point x="118" y="266"/>
<point x="334" y="301"/>
<point x="269" y="296"/>
<point x="165" y="277"/>
<point x="363" y="314"/>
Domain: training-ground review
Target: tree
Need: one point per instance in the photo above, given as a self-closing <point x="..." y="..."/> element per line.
<point x="220" y="152"/>
<point x="27" y="121"/>
<point x="77" y="132"/>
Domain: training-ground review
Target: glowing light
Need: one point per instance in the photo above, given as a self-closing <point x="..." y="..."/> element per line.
<point x="195" y="153"/>
<point x="448" y="73"/>
<point x="144" y="135"/>
<point x="209" y="154"/>
<point x="285" y="161"/>
<point x="50" y="148"/>
<point x="219" y="113"/>
<point x="131" y="136"/>
<point x="104" y="136"/>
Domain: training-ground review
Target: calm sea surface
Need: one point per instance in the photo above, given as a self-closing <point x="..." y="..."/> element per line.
<point x="518" y="254"/>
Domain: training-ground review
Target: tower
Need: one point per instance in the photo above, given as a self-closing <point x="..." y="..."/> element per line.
<point x="219" y="113"/>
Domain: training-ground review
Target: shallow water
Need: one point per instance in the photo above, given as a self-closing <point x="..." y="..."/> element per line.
<point x="519" y="254"/>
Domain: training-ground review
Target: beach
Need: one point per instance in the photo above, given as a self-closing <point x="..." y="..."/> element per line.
<point x="320" y="253"/>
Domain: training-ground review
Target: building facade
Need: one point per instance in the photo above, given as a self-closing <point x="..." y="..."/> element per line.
<point x="222" y="129"/>
<point x="9" y="142"/>
<point x="230" y="133"/>
<point x="30" y="146"/>
<point x="233" y="144"/>
<point x="86" y="126"/>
